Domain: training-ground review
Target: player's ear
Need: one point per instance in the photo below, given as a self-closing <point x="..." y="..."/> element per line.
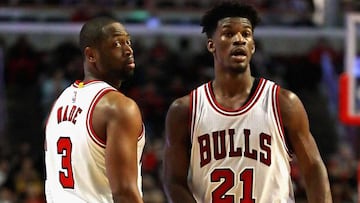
<point x="89" y="54"/>
<point x="210" y="46"/>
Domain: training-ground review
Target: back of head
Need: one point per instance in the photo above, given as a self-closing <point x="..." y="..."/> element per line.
<point x="92" y="32"/>
<point x="227" y="8"/>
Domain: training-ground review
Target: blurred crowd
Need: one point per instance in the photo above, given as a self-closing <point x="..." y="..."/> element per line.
<point x="33" y="78"/>
<point x="289" y="13"/>
<point x="158" y="3"/>
<point x="293" y="12"/>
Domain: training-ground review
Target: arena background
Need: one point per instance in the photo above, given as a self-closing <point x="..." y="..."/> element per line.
<point x="301" y="44"/>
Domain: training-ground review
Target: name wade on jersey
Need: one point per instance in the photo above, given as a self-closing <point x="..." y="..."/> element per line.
<point x="68" y="113"/>
<point x="219" y="151"/>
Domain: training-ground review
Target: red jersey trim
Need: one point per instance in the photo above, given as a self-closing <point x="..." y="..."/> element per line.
<point x="277" y="114"/>
<point x="79" y="83"/>
<point x="142" y="133"/>
<point x="192" y="111"/>
<point x="243" y="109"/>
<point x="89" y="117"/>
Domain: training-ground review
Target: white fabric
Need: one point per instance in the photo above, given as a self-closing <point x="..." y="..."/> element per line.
<point x="239" y="154"/>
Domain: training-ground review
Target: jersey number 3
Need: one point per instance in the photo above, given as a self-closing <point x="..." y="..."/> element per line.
<point x="64" y="147"/>
<point x="219" y="196"/>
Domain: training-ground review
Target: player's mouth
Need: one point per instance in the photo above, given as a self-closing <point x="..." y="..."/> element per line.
<point x="239" y="54"/>
<point x="131" y="62"/>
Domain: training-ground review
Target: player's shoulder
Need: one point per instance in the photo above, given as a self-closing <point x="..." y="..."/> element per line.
<point x="181" y="103"/>
<point x="179" y="109"/>
<point x="291" y="106"/>
<point x="115" y="102"/>
<point x="118" y="97"/>
<point x="288" y="97"/>
<point x="285" y="96"/>
<point x="184" y="102"/>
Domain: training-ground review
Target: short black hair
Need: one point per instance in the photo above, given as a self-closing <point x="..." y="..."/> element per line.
<point x="228" y="8"/>
<point x="92" y="31"/>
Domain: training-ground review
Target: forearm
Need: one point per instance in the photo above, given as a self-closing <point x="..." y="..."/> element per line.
<point x="127" y="198"/>
<point x="178" y="194"/>
<point x="317" y="184"/>
<point x="130" y="196"/>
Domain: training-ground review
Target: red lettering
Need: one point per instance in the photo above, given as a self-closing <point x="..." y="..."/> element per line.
<point x="233" y="152"/>
<point x="205" y="153"/>
<point x="59" y="114"/>
<point x="79" y="110"/>
<point x="64" y="116"/>
<point x="265" y="158"/>
<point x="247" y="153"/>
<point x="219" y="144"/>
<point x="219" y="147"/>
<point x="72" y="111"/>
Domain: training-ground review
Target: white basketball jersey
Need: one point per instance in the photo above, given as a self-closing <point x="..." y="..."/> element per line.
<point x="74" y="154"/>
<point x="239" y="156"/>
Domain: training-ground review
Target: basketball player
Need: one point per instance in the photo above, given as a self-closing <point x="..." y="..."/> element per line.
<point x="231" y="139"/>
<point x="95" y="134"/>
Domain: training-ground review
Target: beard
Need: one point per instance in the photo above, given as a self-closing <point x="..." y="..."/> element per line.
<point x="125" y="74"/>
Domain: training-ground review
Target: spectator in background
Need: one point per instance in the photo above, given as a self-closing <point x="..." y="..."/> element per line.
<point x="3" y="105"/>
<point x="4" y="170"/>
<point x="22" y="63"/>
<point x="305" y="10"/>
<point x="320" y="48"/>
<point x="342" y="167"/>
<point x="28" y="181"/>
<point x="81" y="13"/>
<point x="8" y="195"/>
<point x="66" y="67"/>
<point x="67" y="56"/>
<point x="51" y="87"/>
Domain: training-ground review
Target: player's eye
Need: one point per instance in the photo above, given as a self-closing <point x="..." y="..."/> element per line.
<point x="228" y="34"/>
<point x="246" y="34"/>
<point x="117" y="44"/>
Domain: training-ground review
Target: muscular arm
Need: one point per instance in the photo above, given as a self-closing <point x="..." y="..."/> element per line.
<point x="296" y="126"/>
<point x="123" y="126"/>
<point x="177" y="152"/>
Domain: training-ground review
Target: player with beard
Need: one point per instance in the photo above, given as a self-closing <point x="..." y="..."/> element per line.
<point x="95" y="134"/>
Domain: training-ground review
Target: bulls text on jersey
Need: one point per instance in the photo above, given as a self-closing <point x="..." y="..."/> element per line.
<point x="219" y="151"/>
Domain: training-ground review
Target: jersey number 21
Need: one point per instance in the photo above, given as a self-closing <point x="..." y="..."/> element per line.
<point x="219" y="194"/>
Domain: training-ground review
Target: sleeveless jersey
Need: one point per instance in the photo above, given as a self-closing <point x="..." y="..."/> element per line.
<point x="239" y="156"/>
<point x="74" y="154"/>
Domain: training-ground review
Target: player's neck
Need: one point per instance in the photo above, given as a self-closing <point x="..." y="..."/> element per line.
<point x="114" y="83"/>
<point x="231" y="86"/>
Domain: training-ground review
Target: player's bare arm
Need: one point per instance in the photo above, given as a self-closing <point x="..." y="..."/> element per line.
<point x="177" y="152"/>
<point x="122" y="122"/>
<point x="296" y="126"/>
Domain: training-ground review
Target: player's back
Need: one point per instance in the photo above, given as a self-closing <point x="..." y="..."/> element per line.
<point x="74" y="154"/>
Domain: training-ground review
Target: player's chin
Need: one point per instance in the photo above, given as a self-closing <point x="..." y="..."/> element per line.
<point x="239" y="68"/>
<point x="130" y="72"/>
<point x="130" y="66"/>
<point x="127" y="75"/>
